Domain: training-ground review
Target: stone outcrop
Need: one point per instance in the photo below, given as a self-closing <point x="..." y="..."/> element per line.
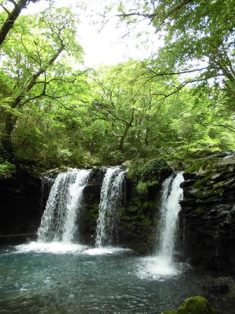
<point x="89" y="213"/>
<point x="20" y="207"/>
<point x="208" y="213"/>
<point x="139" y="216"/>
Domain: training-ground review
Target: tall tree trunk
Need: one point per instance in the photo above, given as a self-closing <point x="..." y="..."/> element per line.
<point x="6" y="141"/>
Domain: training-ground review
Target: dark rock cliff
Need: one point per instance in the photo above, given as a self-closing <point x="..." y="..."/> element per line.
<point x="139" y="216"/>
<point x="208" y="213"/>
<point x="20" y="207"/>
<point x="89" y="213"/>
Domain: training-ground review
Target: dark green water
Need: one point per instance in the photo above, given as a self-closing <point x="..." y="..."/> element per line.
<point x="88" y="282"/>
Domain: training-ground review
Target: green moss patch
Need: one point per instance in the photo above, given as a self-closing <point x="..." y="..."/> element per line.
<point x="7" y="169"/>
<point x="193" y="305"/>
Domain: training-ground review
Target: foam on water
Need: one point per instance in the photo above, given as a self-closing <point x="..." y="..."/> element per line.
<point x="105" y="250"/>
<point x="67" y="248"/>
<point x="157" y="267"/>
<point x="51" y="247"/>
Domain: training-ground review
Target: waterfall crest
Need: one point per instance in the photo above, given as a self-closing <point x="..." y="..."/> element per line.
<point x="110" y="202"/>
<point x="65" y="200"/>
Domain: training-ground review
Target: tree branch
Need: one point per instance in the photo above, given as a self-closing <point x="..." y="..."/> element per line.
<point x="5" y="9"/>
<point x="145" y="15"/>
<point x="11" y="18"/>
<point x="178" y="88"/>
<point x="174" y="73"/>
<point x="35" y="76"/>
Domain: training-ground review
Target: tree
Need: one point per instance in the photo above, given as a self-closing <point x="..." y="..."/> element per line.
<point x="171" y="106"/>
<point x="33" y="64"/>
<point x="199" y="39"/>
<point x="11" y="15"/>
<point x="135" y="117"/>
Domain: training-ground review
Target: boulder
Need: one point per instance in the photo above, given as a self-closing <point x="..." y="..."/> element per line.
<point x="20" y="207"/>
<point x="193" y="305"/>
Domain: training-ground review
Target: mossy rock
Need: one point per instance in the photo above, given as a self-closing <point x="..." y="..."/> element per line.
<point x="193" y="305"/>
<point x="211" y="164"/>
<point x="143" y="187"/>
<point x="200" y="210"/>
<point x="196" y="165"/>
<point x="146" y="169"/>
<point x="7" y="169"/>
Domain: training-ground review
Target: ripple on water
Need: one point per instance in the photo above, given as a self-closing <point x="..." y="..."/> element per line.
<point x="84" y="282"/>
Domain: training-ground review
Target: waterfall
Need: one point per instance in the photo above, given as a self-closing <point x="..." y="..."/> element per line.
<point x="110" y="202"/>
<point x="172" y="193"/>
<point x="162" y="263"/>
<point x="59" y="221"/>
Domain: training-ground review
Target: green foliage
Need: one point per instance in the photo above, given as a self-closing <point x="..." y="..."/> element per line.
<point x="52" y="114"/>
<point x="146" y="168"/>
<point x="143" y="186"/>
<point x="196" y="165"/>
<point x="6" y="169"/>
<point x="201" y="32"/>
<point x="186" y="124"/>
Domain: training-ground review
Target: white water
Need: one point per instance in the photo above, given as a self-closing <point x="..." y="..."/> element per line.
<point x="162" y="264"/>
<point x="110" y="202"/>
<point x="59" y="220"/>
<point x="105" y="250"/>
<point x="67" y="248"/>
<point x="51" y="247"/>
<point x="74" y="204"/>
<point x="171" y="195"/>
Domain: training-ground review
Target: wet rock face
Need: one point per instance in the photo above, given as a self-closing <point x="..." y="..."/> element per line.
<point x="208" y="214"/>
<point x="20" y="207"/>
<point x="137" y="218"/>
<point x="89" y="213"/>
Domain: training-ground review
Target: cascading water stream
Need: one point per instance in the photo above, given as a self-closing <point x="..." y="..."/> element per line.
<point x="110" y="202"/>
<point x="172" y="193"/>
<point x="59" y="221"/>
<point x="162" y="264"/>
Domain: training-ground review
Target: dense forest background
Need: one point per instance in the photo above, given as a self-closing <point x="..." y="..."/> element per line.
<point x="176" y="105"/>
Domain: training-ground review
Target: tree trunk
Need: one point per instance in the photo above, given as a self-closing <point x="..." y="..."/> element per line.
<point x="6" y="141"/>
<point x="124" y="135"/>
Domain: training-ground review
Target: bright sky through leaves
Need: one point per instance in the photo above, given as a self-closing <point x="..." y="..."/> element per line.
<point x="112" y="43"/>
